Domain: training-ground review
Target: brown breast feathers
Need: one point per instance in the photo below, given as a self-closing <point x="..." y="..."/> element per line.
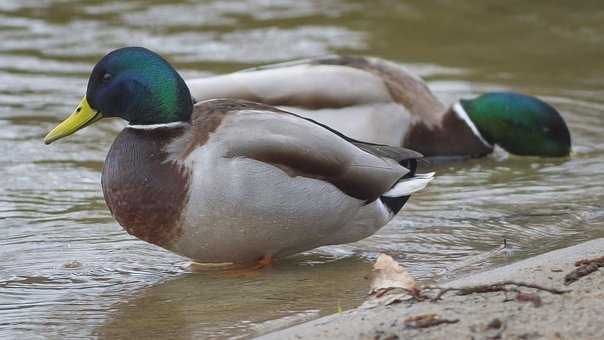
<point x="452" y="137"/>
<point x="145" y="193"/>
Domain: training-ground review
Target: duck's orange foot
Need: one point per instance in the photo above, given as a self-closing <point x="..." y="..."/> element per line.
<point x="264" y="262"/>
<point x="235" y="270"/>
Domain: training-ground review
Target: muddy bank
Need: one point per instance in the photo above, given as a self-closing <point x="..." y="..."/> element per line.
<point x="487" y="312"/>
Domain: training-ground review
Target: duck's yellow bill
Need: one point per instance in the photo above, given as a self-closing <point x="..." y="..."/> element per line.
<point x="83" y="116"/>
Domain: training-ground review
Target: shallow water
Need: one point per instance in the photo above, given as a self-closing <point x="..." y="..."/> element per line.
<point x="68" y="270"/>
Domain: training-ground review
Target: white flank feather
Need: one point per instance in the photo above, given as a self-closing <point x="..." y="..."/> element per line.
<point x="407" y="186"/>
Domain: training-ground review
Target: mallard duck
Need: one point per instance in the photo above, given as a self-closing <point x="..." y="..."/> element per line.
<point x="378" y="101"/>
<point x="229" y="180"/>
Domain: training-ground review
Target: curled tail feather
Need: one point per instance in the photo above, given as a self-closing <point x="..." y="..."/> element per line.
<point x="397" y="196"/>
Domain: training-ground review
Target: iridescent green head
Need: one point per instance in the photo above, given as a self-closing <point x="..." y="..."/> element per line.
<point x="521" y="124"/>
<point x="132" y="83"/>
<point x="139" y="86"/>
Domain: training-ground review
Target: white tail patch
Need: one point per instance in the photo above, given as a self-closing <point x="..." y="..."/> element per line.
<point x="407" y="186"/>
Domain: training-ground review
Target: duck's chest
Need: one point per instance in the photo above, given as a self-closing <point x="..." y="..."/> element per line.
<point x="143" y="189"/>
<point x="452" y="138"/>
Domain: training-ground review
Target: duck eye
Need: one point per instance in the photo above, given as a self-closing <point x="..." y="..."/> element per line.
<point x="106" y="77"/>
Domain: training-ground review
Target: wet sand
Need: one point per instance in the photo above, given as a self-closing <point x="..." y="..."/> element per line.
<point x="527" y="314"/>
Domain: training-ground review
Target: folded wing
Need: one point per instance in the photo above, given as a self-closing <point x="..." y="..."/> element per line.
<point x="302" y="147"/>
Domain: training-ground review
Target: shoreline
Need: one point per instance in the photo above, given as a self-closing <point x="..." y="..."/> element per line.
<point x="521" y="313"/>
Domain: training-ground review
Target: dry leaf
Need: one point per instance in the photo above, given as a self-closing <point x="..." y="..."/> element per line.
<point x="529" y="297"/>
<point x="390" y="283"/>
<point x="387" y="274"/>
<point x="426" y="320"/>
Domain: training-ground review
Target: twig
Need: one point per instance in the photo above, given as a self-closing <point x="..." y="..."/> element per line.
<point x="413" y="292"/>
<point x="493" y="287"/>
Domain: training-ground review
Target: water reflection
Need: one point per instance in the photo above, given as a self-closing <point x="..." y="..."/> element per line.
<point x="219" y="303"/>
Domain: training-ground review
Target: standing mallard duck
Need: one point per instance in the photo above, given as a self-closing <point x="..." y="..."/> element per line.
<point x="379" y="101"/>
<point x="230" y="180"/>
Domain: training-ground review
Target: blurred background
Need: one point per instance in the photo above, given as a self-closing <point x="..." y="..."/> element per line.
<point x="68" y="270"/>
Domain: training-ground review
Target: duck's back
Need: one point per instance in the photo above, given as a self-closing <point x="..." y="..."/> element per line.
<point x="368" y="99"/>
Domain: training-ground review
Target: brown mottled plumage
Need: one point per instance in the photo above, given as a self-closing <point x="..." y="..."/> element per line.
<point x="404" y="88"/>
<point x="369" y="99"/>
<point x="454" y="137"/>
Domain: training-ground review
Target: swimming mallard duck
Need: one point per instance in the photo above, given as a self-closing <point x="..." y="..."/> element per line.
<point x="378" y="101"/>
<point x="229" y="180"/>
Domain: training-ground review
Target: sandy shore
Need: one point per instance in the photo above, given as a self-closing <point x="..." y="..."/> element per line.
<point x="522" y="313"/>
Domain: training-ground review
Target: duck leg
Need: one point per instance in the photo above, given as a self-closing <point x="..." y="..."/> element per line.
<point x="232" y="269"/>
<point x="264" y="262"/>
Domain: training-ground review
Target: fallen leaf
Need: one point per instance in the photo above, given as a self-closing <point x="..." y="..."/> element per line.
<point x="387" y="274"/>
<point x="584" y="262"/>
<point x="390" y="283"/>
<point x="426" y="320"/>
<point x="581" y="271"/>
<point x="529" y="297"/>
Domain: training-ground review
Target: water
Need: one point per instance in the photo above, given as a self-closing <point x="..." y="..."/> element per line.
<point x="68" y="270"/>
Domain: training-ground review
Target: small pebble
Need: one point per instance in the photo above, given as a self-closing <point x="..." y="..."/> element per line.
<point x="495" y="324"/>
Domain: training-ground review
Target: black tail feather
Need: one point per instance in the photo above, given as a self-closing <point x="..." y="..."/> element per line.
<point x="410" y="164"/>
<point x="395" y="204"/>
